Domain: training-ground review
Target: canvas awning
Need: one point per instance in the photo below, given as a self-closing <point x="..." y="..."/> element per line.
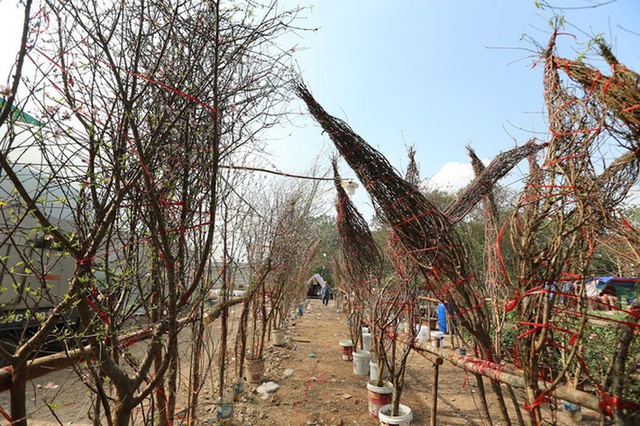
<point x="21" y="116"/>
<point x="623" y="286"/>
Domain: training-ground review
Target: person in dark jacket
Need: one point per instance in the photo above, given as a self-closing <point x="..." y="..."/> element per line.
<point x="325" y="293"/>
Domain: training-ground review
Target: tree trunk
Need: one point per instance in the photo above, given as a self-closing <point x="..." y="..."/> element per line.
<point x="516" y="404"/>
<point x="18" y="396"/>
<point x="196" y="379"/>
<point x="160" y="395"/>
<point x="619" y="371"/>
<point x="483" y="398"/>
<point x="122" y="414"/>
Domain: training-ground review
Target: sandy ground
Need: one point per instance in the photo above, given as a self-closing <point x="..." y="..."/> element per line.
<point x="316" y="387"/>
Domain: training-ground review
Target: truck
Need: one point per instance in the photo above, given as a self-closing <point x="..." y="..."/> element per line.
<point x="34" y="270"/>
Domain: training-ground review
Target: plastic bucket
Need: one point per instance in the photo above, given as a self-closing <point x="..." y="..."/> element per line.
<point x="437" y="339"/>
<point x="442" y="317"/>
<point x="278" y="337"/>
<point x="573" y="410"/>
<point x="361" y="362"/>
<point x="254" y="370"/>
<point x="423" y="333"/>
<point x="378" y="396"/>
<point x="373" y="370"/>
<point x="224" y="408"/>
<point x="366" y="341"/>
<point x="237" y="387"/>
<point x="403" y="418"/>
<point x="346" y="350"/>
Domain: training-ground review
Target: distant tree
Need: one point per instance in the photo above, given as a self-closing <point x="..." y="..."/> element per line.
<point x="279" y="245"/>
<point x="142" y="104"/>
<point x="324" y="229"/>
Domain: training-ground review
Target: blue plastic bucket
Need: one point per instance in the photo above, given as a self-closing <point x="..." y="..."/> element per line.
<point x="442" y="317"/>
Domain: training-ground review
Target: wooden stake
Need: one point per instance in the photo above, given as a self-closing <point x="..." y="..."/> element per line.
<point x="434" y="392"/>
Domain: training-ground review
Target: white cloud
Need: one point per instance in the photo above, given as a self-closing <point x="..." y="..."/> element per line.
<point x="11" y="18"/>
<point x="452" y="176"/>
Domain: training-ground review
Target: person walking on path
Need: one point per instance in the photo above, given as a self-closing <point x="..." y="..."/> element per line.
<point x="325" y="292"/>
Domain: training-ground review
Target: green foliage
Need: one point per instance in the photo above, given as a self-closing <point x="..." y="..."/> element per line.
<point x="508" y="335"/>
<point x="631" y="213"/>
<point x="597" y="351"/>
<point x="472" y="227"/>
<point x="53" y="406"/>
<point x="602" y="346"/>
<point x="439" y="198"/>
<point x="606" y="260"/>
<point x="324" y="229"/>
<point x="381" y="237"/>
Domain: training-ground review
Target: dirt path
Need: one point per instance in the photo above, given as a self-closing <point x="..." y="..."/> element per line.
<point x="321" y="388"/>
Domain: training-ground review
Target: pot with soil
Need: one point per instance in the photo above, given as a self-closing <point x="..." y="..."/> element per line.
<point x="346" y="350"/>
<point x="403" y="418"/>
<point x="378" y="396"/>
<point x="373" y="372"/>
<point x="361" y="363"/>
<point x="224" y="409"/>
<point x="278" y="337"/>
<point x="237" y="386"/>
<point x="254" y="370"/>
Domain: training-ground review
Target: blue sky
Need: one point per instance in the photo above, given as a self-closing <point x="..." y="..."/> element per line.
<point x="440" y="74"/>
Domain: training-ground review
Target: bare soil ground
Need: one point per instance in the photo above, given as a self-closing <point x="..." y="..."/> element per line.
<point x="322" y="390"/>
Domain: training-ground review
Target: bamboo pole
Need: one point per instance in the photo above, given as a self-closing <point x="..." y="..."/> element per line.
<point x="47" y="364"/>
<point x="510" y="375"/>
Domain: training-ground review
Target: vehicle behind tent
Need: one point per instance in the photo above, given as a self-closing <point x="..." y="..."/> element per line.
<point x="626" y="289"/>
<point x="34" y="271"/>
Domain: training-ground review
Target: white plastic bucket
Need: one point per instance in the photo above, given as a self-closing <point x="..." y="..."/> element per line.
<point x="254" y="370"/>
<point x="403" y="418"/>
<point x="423" y="333"/>
<point x="278" y="337"/>
<point x="373" y="370"/>
<point x="361" y="362"/>
<point x="378" y="396"/>
<point x="366" y="341"/>
<point x="437" y="339"/>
